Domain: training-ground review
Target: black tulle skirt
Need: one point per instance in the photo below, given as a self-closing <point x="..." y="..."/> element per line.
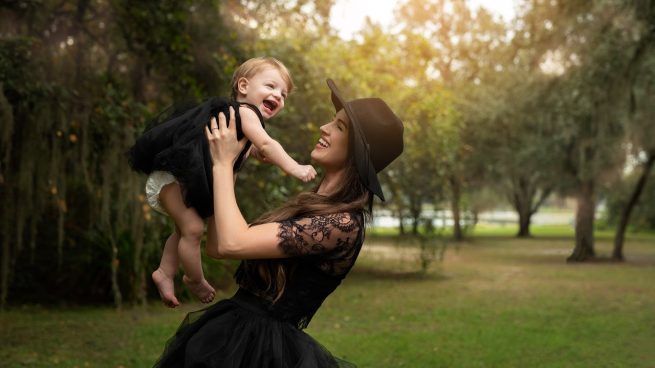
<point x="239" y="333"/>
<point x="176" y="142"/>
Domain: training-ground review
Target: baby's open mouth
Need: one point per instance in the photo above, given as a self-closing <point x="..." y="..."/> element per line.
<point x="271" y="105"/>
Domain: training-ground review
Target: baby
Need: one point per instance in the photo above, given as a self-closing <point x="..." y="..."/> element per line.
<point x="175" y="155"/>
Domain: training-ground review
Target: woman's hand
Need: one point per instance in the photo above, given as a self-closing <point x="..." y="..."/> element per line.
<point x="223" y="145"/>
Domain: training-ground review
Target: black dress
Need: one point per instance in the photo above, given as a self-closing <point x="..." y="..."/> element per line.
<point x="177" y="144"/>
<point x="249" y="330"/>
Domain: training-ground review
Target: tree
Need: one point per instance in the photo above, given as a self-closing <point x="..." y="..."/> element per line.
<point x="80" y="78"/>
<point x="589" y="54"/>
<point x="641" y="120"/>
<point x="604" y="46"/>
<point x="512" y="149"/>
<point x="455" y="53"/>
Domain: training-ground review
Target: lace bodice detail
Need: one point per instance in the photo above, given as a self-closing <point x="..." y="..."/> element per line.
<point x="322" y="249"/>
<point x="329" y="239"/>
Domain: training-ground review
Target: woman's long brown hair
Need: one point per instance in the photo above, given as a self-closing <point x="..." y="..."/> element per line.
<point x="352" y="196"/>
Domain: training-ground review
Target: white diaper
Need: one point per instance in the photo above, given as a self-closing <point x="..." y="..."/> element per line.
<point x="156" y="181"/>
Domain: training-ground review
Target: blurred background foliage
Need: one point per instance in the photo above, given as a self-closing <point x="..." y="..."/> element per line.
<point x="559" y="101"/>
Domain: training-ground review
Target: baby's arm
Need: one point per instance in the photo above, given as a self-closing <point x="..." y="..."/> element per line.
<point x="270" y="149"/>
<point x="254" y="152"/>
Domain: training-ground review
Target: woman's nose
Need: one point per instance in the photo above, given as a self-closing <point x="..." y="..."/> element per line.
<point x="323" y="128"/>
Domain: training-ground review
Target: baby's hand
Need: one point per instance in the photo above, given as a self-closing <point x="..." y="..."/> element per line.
<point x="305" y="173"/>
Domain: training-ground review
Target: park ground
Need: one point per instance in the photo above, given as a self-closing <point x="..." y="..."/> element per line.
<point x="494" y="301"/>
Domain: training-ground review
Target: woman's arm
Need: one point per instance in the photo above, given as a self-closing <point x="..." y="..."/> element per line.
<point x="229" y="236"/>
<point x="234" y="238"/>
<point x="271" y="150"/>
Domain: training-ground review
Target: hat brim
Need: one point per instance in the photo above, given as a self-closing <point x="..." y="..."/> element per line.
<point x="365" y="169"/>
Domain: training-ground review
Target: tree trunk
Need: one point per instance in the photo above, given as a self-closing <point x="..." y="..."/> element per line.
<point x="526" y="199"/>
<point x="8" y="257"/>
<point x="525" y="217"/>
<point x="619" y="237"/>
<point x="7" y="195"/>
<point x="139" y="283"/>
<point x="414" y="225"/>
<point x="584" y="224"/>
<point x="454" y="203"/>
<point x="4" y="270"/>
<point x="415" y="211"/>
<point x="521" y="198"/>
<point x="118" y="297"/>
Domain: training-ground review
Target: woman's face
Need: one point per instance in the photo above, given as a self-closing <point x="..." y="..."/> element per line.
<point x="331" y="151"/>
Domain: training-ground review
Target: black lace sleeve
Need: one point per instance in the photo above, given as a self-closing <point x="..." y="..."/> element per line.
<point x="335" y="239"/>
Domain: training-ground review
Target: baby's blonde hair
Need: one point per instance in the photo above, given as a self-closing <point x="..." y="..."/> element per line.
<point x="256" y="65"/>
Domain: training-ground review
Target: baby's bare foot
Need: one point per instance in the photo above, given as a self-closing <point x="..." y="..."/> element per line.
<point x="201" y="289"/>
<point x="166" y="288"/>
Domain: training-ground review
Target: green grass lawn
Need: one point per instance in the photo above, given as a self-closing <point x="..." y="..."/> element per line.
<point x="510" y="230"/>
<point x="494" y="301"/>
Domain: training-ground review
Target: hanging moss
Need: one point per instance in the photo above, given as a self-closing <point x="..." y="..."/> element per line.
<point x="78" y="84"/>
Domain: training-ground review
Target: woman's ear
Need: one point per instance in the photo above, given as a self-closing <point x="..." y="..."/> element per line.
<point x="242" y="86"/>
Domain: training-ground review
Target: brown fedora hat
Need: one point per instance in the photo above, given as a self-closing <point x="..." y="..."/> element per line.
<point x="377" y="135"/>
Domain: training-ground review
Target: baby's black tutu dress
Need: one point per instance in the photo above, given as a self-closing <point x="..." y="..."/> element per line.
<point x="176" y="143"/>
<point x="249" y="330"/>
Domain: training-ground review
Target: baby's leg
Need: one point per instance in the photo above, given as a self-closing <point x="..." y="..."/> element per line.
<point x="164" y="275"/>
<point x="190" y="227"/>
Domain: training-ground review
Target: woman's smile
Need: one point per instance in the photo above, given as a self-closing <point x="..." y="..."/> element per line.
<point x="322" y="143"/>
<point x="331" y="150"/>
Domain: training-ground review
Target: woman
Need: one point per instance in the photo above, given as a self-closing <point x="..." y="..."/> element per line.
<point x="297" y="254"/>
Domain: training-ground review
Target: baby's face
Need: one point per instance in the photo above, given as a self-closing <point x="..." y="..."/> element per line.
<point x="266" y="90"/>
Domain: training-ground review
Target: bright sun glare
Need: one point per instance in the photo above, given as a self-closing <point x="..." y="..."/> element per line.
<point x="348" y="16"/>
